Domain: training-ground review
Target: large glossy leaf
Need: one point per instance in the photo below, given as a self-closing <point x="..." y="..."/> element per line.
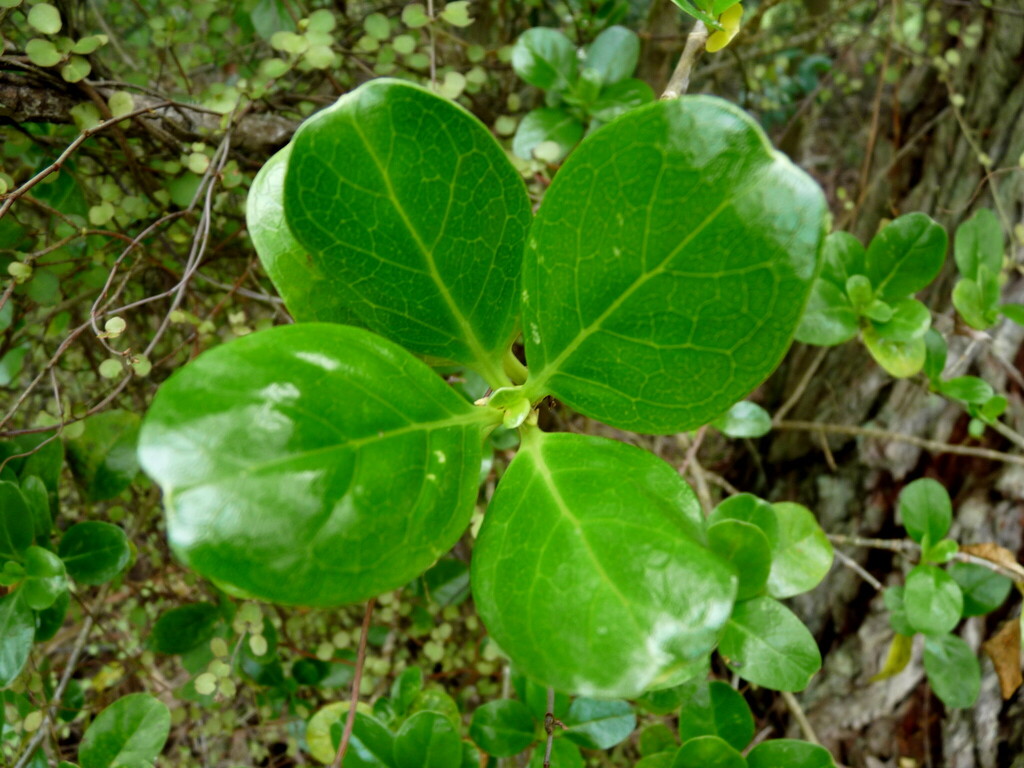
<point x="307" y="291"/>
<point x="668" y="267"/>
<point x="130" y="732"/>
<point x="588" y="571"/>
<point x="953" y="670"/>
<point x="312" y="464"/>
<point x="406" y="200"/>
<point x="802" y="554"/>
<point x="103" y="458"/>
<point x="765" y="643"/>
<point x="94" y="552"/>
<point x="17" y="626"/>
<point x="905" y="256"/>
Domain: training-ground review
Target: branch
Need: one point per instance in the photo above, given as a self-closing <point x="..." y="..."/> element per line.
<point x="680" y="79"/>
<point x="357" y="678"/>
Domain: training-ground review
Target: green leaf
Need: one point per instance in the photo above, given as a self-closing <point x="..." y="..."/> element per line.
<point x="716" y="709"/>
<point x="547" y="124"/>
<point x="953" y="670"/>
<point x="91" y="44"/>
<point x="599" y="724"/>
<point x="898" y="358"/>
<point x="802" y="554"/>
<point x="129" y="732"/>
<point x="407" y="199"/>
<point x="970" y="389"/>
<point x="372" y="745"/>
<point x="17" y="627"/>
<point x="535" y="697"/>
<point x="33" y="490"/>
<point x="708" y="752"/>
<point x="619" y="324"/>
<point x="45" y="18"/>
<point x="744" y="419"/>
<point x="765" y="643"/>
<point x="312" y="464"/>
<point x="427" y="740"/>
<point x="46" y="579"/>
<point x="42" y="53"/>
<point x="94" y="552"/>
<point x="925" y="510"/>
<point x="11" y="364"/>
<point x="935" y="356"/>
<point x="545" y="58"/>
<point x="405" y="688"/>
<point x="842" y="257"/>
<point x="1014" y="312"/>
<point x="789" y="753"/>
<point x="502" y="728"/>
<point x="746" y="548"/>
<point x="910" y="320"/>
<point x="447" y="582"/>
<point x="698" y="13"/>
<point x="614" y="54"/>
<point x="434" y="699"/>
<point x="564" y="754"/>
<point x="457" y="13"/>
<point x="829" y="318"/>
<point x="618" y="98"/>
<point x="861" y="294"/>
<point x="979" y="242"/>
<point x="905" y="256"/>
<point x="181" y="629"/>
<point x="629" y="596"/>
<point x="893" y="597"/>
<point x="103" y="459"/>
<point x="660" y="760"/>
<point x="983" y="589"/>
<point x="656" y="737"/>
<point x="306" y="289"/>
<point x="970" y="303"/>
<point x="52" y="619"/>
<point x="16" y="523"/>
<point x="941" y="551"/>
<point x="933" y="600"/>
<point x="76" y="69"/>
<point x="749" y="509"/>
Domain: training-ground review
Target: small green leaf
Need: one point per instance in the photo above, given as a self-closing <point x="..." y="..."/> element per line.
<point x="698" y="13"/>
<point x="905" y="256"/>
<point x="46" y="580"/>
<point x="933" y="600"/>
<point x="181" y="629"/>
<point x="744" y="419"/>
<point x="299" y="431"/>
<point x="940" y="552"/>
<point x="564" y="754"/>
<point x="76" y="69"/>
<point x="983" y="589"/>
<point x="899" y="359"/>
<point x="17" y="627"/>
<point x="103" y="458"/>
<point x="45" y="18"/>
<point x="89" y="44"/>
<point x="789" y="753"/>
<point x="457" y="13"/>
<point x="545" y="58"/>
<point x="660" y="760"/>
<point x="617" y="324"/>
<point x="910" y="320"/>
<point x="953" y="670"/>
<point x="130" y="732"/>
<point x="842" y="258"/>
<point x="858" y="288"/>
<point x="829" y="318"/>
<point x="121" y="103"/>
<point x="415" y="16"/>
<point x="599" y="723"/>
<point x="970" y="303"/>
<point x="935" y="356"/>
<point x="502" y="728"/>
<point x="979" y="242"/>
<point x="1014" y="312"/>
<point x="715" y="709"/>
<point x="893" y="597"/>
<point x="94" y="552"/>
<point x="17" y="527"/>
<point x="655" y="738"/>
<point x="42" y="53"/>
<point x="925" y="510"/>
<point x="618" y="98"/>
<point x="405" y="688"/>
<point x="547" y="124"/>
<point x="765" y="643"/>
<point x="750" y="509"/>
<point x="614" y="54"/>
<point x="708" y="752"/>
<point x="969" y="389"/>
<point x="746" y="548"/>
<point x="802" y="553"/>
<point x="600" y="515"/>
<point x="427" y="740"/>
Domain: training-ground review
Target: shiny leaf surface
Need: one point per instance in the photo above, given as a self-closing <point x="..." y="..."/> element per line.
<point x="926" y="510"/>
<point x="312" y="464"/>
<point x="502" y="728"/>
<point x="624" y="595"/>
<point x="708" y="752"/>
<point x="94" y="552"/>
<point x="905" y="256"/>
<point x="789" y="753"/>
<point x="701" y="245"/>
<point x="716" y="709"/>
<point x="765" y="643"/>
<point x="131" y="731"/>
<point x="802" y="553"/>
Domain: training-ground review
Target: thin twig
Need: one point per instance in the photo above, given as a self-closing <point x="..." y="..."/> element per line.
<point x="906" y="546"/>
<point x="801" y="387"/>
<point x="350" y="719"/>
<point x="857" y="568"/>
<point x="798" y="714"/>
<point x="882" y="434"/>
<point x="680" y="80"/>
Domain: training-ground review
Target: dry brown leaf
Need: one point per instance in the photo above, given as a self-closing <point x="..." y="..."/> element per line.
<point x="996" y="554"/>
<point x="1004" y="650"/>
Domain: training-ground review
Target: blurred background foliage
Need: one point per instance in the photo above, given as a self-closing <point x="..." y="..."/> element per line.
<point x="129" y="133"/>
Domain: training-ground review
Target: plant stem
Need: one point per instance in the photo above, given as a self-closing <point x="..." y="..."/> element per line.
<point x="514" y="369"/>
<point x="549" y="726"/>
<point x="680" y="80"/>
<point x="857" y="568"/>
<point x="350" y="719"/>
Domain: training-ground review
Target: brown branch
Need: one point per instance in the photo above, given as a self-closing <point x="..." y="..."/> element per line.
<point x="357" y="678"/>
<point x="680" y="80"/>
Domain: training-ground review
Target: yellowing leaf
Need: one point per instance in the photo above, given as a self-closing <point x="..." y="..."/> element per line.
<point x="898" y="658"/>
<point x="730" y="21"/>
